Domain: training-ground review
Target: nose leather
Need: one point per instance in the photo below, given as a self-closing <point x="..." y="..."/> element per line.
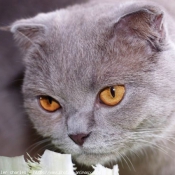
<point x="79" y="139"/>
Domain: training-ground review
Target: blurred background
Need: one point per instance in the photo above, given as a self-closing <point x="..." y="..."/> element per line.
<point x="16" y="133"/>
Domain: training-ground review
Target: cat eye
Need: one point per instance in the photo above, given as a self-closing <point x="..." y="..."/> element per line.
<point x="49" y="104"/>
<point x="113" y="95"/>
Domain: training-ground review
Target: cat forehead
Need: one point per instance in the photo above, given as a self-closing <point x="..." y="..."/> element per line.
<point x="83" y="21"/>
<point x="82" y="48"/>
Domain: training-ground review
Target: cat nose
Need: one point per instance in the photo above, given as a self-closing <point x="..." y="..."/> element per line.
<point x="79" y="139"/>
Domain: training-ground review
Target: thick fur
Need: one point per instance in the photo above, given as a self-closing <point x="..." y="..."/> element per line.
<point x="74" y="53"/>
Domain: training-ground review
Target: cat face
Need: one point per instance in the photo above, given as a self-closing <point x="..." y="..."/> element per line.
<point x="100" y="83"/>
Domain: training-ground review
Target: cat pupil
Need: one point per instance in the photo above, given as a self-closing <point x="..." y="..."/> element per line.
<point x="50" y="100"/>
<point x="112" y="90"/>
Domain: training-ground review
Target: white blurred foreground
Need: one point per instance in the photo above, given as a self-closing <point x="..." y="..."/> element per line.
<point x="51" y="163"/>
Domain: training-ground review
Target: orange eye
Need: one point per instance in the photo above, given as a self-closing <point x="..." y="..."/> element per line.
<point x="111" y="96"/>
<point x="49" y="104"/>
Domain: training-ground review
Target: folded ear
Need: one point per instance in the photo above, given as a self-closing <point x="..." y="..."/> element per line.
<point x="27" y="33"/>
<point x="146" y="23"/>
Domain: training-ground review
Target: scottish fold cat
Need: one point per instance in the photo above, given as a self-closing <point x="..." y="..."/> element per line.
<point x="100" y="82"/>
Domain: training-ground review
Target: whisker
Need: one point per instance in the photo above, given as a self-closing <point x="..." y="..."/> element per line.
<point x="168" y="138"/>
<point x="48" y="146"/>
<point x="17" y="80"/>
<point x="155" y="146"/>
<point x="122" y="156"/>
<point x="165" y="146"/>
<point x="133" y="152"/>
<point x="37" y="144"/>
<point x="130" y="162"/>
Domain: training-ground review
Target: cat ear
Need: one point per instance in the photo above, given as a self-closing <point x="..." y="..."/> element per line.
<point x="146" y="23"/>
<point x="27" y="33"/>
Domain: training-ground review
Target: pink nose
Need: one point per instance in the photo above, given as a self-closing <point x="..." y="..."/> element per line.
<point x="79" y="139"/>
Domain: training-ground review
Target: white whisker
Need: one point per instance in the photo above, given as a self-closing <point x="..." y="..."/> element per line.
<point x="122" y="156"/>
<point x="37" y="144"/>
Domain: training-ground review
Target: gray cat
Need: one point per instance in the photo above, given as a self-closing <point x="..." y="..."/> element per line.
<point x="100" y="82"/>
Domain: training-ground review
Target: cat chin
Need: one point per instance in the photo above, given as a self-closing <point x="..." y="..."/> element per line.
<point x="94" y="159"/>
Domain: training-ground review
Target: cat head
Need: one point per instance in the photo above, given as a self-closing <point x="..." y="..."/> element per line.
<point x="99" y="78"/>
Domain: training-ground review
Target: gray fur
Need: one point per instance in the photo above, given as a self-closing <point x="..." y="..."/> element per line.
<point x="74" y="53"/>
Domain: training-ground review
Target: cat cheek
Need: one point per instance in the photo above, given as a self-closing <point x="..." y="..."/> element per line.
<point x="46" y="124"/>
